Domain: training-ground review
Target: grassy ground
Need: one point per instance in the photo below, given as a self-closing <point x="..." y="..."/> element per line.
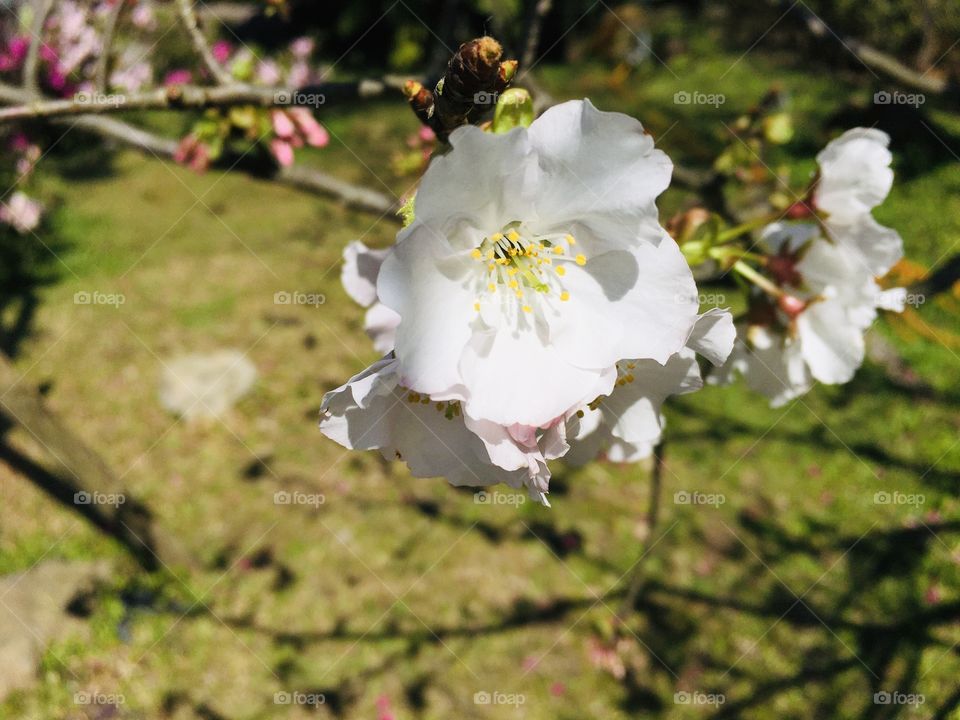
<point x="797" y="597"/>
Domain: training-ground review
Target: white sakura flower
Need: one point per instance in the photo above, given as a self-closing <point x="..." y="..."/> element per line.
<point x="536" y="262"/>
<point x="373" y="410"/>
<point x="770" y="361"/>
<point x="627" y="424"/>
<point x="361" y="265"/>
<point x="855" y="177"/>
<point x="816" y="332"/>
<point x="21" y="212"/>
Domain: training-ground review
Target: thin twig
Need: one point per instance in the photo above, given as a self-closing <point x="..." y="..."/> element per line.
<point x="31" y="65"/>
<point x="190" y="23"/>
<point x="109" y="34"/>
<point x="637" y="578"/>
<point x="871" y="57"/>
<point x="534" y="28"/>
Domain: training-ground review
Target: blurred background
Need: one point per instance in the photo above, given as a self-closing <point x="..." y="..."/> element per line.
<point x="236" y="564"/>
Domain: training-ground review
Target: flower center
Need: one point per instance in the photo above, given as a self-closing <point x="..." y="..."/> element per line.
<point x="526" y="267"/>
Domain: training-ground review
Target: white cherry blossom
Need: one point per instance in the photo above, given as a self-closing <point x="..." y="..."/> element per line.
<point x="535" y="263"/>
<point x="855" y="177"/>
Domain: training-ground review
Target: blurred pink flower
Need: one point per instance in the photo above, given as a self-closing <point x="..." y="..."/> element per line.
<point x="312" y="131"/>
<point x="302" y="47"/>
<point x="180" y="76"/>
<point x="13" y="55"/>
<point x="283" y="126"/>
<point x="222" y="50"/>
<point x="22" y="213"/>
<point x="192" y="153"/>
<point x="282" y="151"/>
<point x="268" y="72"/>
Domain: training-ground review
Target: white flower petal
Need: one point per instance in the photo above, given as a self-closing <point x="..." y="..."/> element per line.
<point x="423" y="281"/>
<point x="831" y="344"/>
<point x="380" y="324"/>
<point x="597" y="163"/>
<point x="855" y="174"/>
<point x="713" y="336"/>
<point x="361" y="265"/>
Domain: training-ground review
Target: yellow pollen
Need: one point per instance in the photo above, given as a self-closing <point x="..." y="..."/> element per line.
<point x="558" y="250"/>
<point x="527" y="308"/>
<point x="514" y="284"/>
<point x="490" y="267"/>
<point x="476" y="306"/>
<point x="476" y="254"/>
<point x="512" y="271"/>
<point x="561" y="271"/>
<point x="489" y="254"/>
<point x="491" y="287"/>
<point x="570" y="240"/>
<point x="564" y="296"/>
<point x="513" y="236"/>
<point x="581" y="260"/>
<point x="497" y="237"/>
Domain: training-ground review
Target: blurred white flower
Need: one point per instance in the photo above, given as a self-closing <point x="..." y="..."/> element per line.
<point x="816" y="330"/>
<point x="855" y="177"/>
<point x="627" y="424"/>
<point x="21" y="212"/>
<point x="536" y="262"/>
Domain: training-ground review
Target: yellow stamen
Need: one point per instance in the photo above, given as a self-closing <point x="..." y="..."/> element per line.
<point x="561" y="271"/>
<point x="570" y="240"/>
<point x="581" y="260"/>
<point x="476" y="254"/>
<point x="513" y="236"/>
<point x="564" y="296"/>
<point x="527" y="308"/>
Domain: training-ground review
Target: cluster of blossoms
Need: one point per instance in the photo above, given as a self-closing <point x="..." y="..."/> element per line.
<point x="72" y="45"/>
<point x="290" y="128"/>
<point x="19" y="210"/>
<point x="819" y="294"/>
<point x="533" y="309"/>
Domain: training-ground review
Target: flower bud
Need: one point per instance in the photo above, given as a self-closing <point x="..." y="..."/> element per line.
<point x="791" y="305"/>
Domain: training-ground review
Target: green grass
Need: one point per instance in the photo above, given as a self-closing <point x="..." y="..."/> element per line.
<point x="491" y="598"/>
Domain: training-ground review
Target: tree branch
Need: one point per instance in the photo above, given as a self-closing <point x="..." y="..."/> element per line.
<point x="31" y="65"/>
<point x="190" y="23"/>
<point x="871" y="57"/>
<point x="534" y="27"/>
<point x="109" y="34"/>
<point x="179" y="97"/>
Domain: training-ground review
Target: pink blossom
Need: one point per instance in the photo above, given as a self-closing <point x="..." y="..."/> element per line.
<point x="180" y="76"/>
<point x="142" y="16"/>
<point x="302" y="47"/>
<point x="282" y="124"/>
<point x="21" y="212"/>
<point x="313" y="132"/>
<point x="282" y="151"/>
<point x="299" y="74"/>
<point x="268" y="72"/>
<point x="222" y="50"/>
<point x="193" y="153"/>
